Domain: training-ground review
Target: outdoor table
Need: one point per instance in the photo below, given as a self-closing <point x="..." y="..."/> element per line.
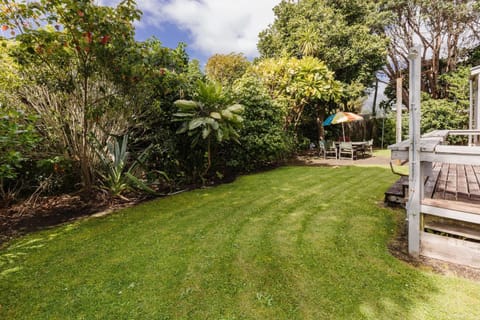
<point x="354" y="143"/>
<point x="357" y="145"/>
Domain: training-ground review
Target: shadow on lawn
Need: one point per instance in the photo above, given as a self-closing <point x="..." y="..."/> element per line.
<point x="374" y="288"/>
<point x="11" y="260"/>
<point x="294" y="251"/>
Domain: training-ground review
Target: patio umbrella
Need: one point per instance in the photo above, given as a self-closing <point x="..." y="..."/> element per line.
<point x="342" y="117"/>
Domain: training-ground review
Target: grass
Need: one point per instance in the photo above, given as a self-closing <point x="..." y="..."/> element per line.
<point x="386" y="153"/>
<point x="293" y="243"/>
<point x="382" y="153"/>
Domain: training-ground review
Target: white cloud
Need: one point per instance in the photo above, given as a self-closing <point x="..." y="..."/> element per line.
<point x="216" y="26"/>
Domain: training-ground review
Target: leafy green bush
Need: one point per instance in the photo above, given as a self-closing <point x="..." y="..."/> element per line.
<point x="437" y="114"/>
<point x="209" y="120"/>
<point x="17" y="141"/>
<point x="263" y="142"/>
<point x="167" y="76"/>
<point x="450" y="113"/>
<point x="441" y="114"/>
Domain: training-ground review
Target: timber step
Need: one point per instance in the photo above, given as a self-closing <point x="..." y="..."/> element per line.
<point x="453" y="205"/>
<point x="450" y="249"/>
<point x="396" y="194"/>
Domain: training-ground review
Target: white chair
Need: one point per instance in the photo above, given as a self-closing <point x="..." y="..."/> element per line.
<point x="321" y="148"/>
<point x="368" y="148"/>
<point x="330" y="150"/>
<point x="347" y="151"/>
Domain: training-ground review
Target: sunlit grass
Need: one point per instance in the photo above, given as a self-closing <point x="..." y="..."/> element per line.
<point x="397" y="167"/>
<point x="383" y="153"/>
<point x="293" y="243"/>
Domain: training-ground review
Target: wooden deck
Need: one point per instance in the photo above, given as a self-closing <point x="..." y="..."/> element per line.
<point x="456" y="182"/>
<point x="450" y="228"/>
<point x="453" y="182"/>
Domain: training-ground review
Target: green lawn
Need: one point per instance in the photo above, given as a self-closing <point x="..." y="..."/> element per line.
<point x="383" y="153"/>
<point x="293" y="243"/>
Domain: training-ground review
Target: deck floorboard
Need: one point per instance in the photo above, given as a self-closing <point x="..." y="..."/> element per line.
<point x="457" y="182"/>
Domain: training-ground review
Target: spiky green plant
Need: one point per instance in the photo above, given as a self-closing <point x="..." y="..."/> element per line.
<point x="118" y="174"/>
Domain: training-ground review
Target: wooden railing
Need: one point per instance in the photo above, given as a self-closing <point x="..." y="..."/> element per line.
<point x="432" y="148"/>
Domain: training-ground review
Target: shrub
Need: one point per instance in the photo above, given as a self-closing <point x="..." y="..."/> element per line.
<point x="441" y="114"/>
<point x="209" y="120"/>
<point x="263" y="142"/>
<point x="17" y="141"/>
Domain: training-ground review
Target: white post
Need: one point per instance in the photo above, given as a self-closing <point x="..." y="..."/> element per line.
<point x="415" y="174"/>
<point x="476" y="109"/>
<point x="399" y="110"/>
<point x="470" y="118"/>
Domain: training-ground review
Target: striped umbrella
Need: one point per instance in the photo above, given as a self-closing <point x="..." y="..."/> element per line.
<point x="342" y="117"/>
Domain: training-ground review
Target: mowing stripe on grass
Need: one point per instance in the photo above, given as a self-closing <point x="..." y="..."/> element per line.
<point x="292" y="243"/>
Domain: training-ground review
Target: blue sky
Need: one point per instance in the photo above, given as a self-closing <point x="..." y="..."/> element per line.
<point x="206" y="26"/>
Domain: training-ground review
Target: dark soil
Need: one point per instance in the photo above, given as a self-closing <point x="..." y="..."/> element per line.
<point x="46" y="212"/>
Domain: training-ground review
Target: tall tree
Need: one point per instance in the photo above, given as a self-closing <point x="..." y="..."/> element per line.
<point x="71" y="52"/>
<point x="445" y="29"/>
<point x="297" y="83"/>
<point x="226" y="68"/>
<point x="346" y="35"/>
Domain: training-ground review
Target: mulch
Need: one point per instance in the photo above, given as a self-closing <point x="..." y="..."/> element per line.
<point x="46" y="212"/>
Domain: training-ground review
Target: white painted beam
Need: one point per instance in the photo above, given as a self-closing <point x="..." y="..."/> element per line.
<point x="399" y="110"/>
<point x="451" y="214"/>
<point x="415" y="184"/>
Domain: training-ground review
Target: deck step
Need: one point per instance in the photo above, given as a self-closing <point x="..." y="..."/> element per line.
<point x="396" y="194"/>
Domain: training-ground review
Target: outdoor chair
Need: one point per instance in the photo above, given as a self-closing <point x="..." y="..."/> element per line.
<point x="321" y="148"/>
<point x="330" y="150"/>
<point x="347" y="151"/>
<point x="368" y="148"/>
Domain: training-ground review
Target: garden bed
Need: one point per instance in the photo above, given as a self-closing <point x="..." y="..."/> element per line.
<point x="47" y="212"/>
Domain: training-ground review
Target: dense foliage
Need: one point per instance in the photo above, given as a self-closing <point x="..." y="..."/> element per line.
<point x="226" y="68"/>
<point x="451" y="112"/>
<point x="297" y="84"/>
<point x="340" y="33"/>
<point x="18" y="139"/>
<point x="70" y="53"/>
<point x="74" y="84"/>
<point x="208" y="120"/>
<point x="263" y="142"/>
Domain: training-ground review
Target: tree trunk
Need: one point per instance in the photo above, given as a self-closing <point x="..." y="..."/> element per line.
<point x="85" y="163"/>
<point x="374" y="109"/>
<point x="320" y="119"/>
<point x="209" y="160"/>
